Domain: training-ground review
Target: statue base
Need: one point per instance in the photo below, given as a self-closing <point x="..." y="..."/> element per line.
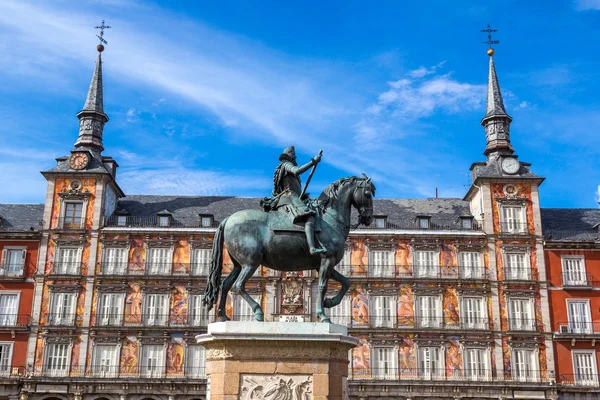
<point x="276" y="360"/>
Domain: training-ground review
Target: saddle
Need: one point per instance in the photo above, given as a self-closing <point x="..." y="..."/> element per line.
<point x="280" y="218"/>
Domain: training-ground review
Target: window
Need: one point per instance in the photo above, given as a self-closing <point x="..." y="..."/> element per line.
<point x="520" y="314"/>
<point x="474" y="315"/>
<point x="62" y="311"/>
<point x="158" y="261"/>
<point x="163" y="220"/>
<point x="476" y="364"/>
<point x="110" y="311"/>
<point x="580" y="318"/>
<point x="384" y="363"/>
<point x="470" y="265"/>
<point x="517" y="266"/>
<point x="344" y="265"/>
<point x="156" y="311"/>
<point x="9" y="308"/>
<point x="242" y="310"/>
<point x="121" y="220"/>
<point x="525" y="364"/>
<point x="426" y="264"/>
<point x="423" y="222"/>
<point x="383" y="314"/>
<point x="382" y="263"/>
<point x="195" y="360"/>
<point x="206" y="221"/>
<point x="72" y="216"/>
<point x="380" y="222"/>
<point x="57" y="359"/>
<point x="574" y="271"/>
<point x="466" y="223"/>
<point x="340" y="314"/>
<point x="5" y="358"/>
<point x="115" y="261"/>
<point x="512" y="219"/>
<point x="105" y="360"/>
<point x="197" y="314"/>
<point x="13" y="261"/>
<point x="584" y="367"/>
<point x="430" y="362"/>
<point x="152" y="360"/>
<point x="201" y="259"/>
<point x="429" y="312"/>
<point x="67" y="260"/>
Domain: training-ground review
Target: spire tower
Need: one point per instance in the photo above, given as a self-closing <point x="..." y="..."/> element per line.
<point x="496" y="121"/>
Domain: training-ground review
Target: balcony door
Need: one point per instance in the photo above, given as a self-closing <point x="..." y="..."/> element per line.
<point x="115" y="261"/>
<point x="159" y="261"/>
<point x="426" y="264"/>
<point x="584" y="366"/>
<point x="431" y="363"/>
<point x="473" y="315"/>
<point x="384" y="363"/>
<point x="574" y="272"/>
<point x="580" y="318"/>
<point x="9" y="306"/>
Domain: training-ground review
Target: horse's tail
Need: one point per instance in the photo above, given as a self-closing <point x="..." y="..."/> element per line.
<point x="211" y="293"/>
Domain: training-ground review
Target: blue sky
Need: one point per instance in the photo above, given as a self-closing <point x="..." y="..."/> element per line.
<point x="203" y="96"/>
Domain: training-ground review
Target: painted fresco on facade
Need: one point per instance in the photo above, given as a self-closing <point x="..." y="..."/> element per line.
<point x="137" y="255"/>
<point x="175" y="355"/>
<point x="506" y="357"/>
<point x="454" y="361"/>
<point x="39" y="354"/>
<point x="403" y="259"/>
<point x="361" y="358"/>
<point x="45" y="306"/>
<point x="358" y="259"/>
<point x="450" y="306"/>
<point x="405" y="306"/>
<point x="360" y="307"/>
<point x="80" y="306"/>
<point x="181" y="257"/>
<point x="62" y="185"/>
<point x="51" y="250"/>
<point x="523" y="191"/>
<point x="407" y="356"/>
<point x="129" y="355"/>
<point x="133" y="304"/>
<point x="179" y="305"/>
<point x="76" y="349"/>
<point x="448" y="260"/>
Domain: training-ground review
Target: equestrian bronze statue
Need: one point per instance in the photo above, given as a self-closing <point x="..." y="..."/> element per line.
<point x="296" y="234"/>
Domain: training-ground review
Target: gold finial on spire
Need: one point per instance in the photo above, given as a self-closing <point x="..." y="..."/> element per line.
<point x="489" y="30"/>
<point x="102" y="27"/>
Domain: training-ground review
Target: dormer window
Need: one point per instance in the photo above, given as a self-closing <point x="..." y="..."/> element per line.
<point x="466" y="222"/>
<point x="424" y="222"/>
<point x="380" y="222"/>
<point x="206" y="220"/>
<point x="121" y="220"/>
<point x="164" y="218"/>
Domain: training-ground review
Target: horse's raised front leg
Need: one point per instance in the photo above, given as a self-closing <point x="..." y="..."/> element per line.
<point x="324" y="273"/>
<point x="334" y="301"/>
<point x="239" y="287"/>
<point x="227" y="283"/>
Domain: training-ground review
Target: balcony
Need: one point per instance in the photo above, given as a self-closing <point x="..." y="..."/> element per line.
<point x="578" y="280"/>
<point x="61" y="319"/>
<point x="112" y="372"/>
<point x="514" y="228"/>
<point x="415" y="271"/>
<point x="428" y="375"/>
<point x="433" y="225"/>
<point x="65" y="268"/>
<point x="15" y="322"/>
<point x="145" y="320"/>
<point x="574" y="329"/>
<point x="153" y="270"/>
<point x="12" y="271"/>
<point x="69" y="223"/>
<point x="518" y="274"/>
<point x="522" y="324"/>
<point x="582" y="380"/>
<point x="413" y="323"/>
<point x="158" y="222"/>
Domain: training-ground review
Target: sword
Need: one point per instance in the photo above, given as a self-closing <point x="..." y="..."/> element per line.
<point x="312" y="171"/>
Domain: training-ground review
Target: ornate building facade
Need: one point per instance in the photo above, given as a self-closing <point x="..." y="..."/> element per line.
<point x="449" y="297"/>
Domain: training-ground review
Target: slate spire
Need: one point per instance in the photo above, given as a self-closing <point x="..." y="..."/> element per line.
<point x="496" y="121"/>
<point x="92" y="117"/>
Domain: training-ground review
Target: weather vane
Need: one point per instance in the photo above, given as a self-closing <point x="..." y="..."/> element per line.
<point x="102" y="27"/>
<point x="489" y="31"/>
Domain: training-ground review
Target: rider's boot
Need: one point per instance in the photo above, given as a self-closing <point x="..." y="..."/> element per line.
<point x="309" y="229"/>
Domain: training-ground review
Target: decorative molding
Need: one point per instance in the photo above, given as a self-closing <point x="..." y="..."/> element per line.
<point x="64" y="287"/>
<point x="112" y="339"/>
<point x="476" y="342"/>
<point x="520" y="293"/>
<point x="154" y="288"/>
<point x="74" y="194"/>
<point x="423" y="290"/>
<point x="434" y="244"/>
<point x="112" y="287"/>
<point x="154" y="339"/>
<point x="194" y="290"/>
<point x="430" y="341"/>
<point x="515" y="248"/>
<point x="126" y="243"/>
<point x="280" y="350"/>
<point x="202" y="243"/>
<point x="382" y="290"/>
<point x="380" y="244"/>
<point x="291" y="293"/>
<point x="483" y="290"/>
<point x="161" y="241"/>
<point x="70" y="241"/>
<point x="521" y="344"/>
<point x="56" y="338"/>
<point x="275" y="387"/>
<point x="512" y="200"/>
<point x="479" y="246"/>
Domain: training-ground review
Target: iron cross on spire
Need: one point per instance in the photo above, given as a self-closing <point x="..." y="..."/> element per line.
<point x="101" y="35"/>
<point x="489" y="31"/>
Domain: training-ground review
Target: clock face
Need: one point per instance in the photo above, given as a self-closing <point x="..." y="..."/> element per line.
<point x="78" y="160"/>
<point x="510" y="165"/>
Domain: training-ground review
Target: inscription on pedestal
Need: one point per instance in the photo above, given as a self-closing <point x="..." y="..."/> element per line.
<point x="275" y="387"/>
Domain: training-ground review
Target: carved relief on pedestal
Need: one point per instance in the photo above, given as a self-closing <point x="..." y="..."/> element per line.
<point x="291" y="293"/>
<point x="276" y="387"/>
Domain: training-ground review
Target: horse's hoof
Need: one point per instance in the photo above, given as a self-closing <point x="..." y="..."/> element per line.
<point x="224" y="318"/>
<point x="259" y="316"/>
<point x="326" y="321"/>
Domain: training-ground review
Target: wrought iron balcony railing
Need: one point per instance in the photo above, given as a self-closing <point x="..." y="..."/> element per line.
<point x="114" y="371"/>
<point x="61" y="319"/>
<point x="65" y="268"/>
<point x="12" y="270"/>
<point x="412" y="322"/>
<point x="150" y="320"/>
<point x="514" y="228"/>
<point x="579" y="279"/>
<point x="153" y="269"/>
<point x="578" y="328"/>
<point x="158" y="222"/>
<point x="522" y="324"/>
<point x="439" y="374"/>
<point x="425" y="271"/>
<point x="581" y="379"/>
<point x="518" y="274"/>
<point x="452" y="224"/>
<point x="68" y="223"/>
<point x="12" y="321"/>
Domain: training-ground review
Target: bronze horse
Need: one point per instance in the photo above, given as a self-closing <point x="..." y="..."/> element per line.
<point x="254" y="238"/>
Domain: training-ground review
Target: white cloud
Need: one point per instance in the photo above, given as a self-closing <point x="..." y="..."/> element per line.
<point x="423" y="71"/>
<point x="587" y="5"/>
<point x="598" y="195"/>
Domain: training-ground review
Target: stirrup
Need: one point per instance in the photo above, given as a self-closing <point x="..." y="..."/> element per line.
<point x="319" y="250"/>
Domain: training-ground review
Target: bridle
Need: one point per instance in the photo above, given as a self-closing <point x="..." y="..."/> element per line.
<point x="359" y="198"/>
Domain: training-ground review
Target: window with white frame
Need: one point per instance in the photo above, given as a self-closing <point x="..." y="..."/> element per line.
<point x="153" y="360"/>
<point x="201" y="261"/>
<point x="62" y="309"/>
<point x="426" y="263"/>
<point x="9" y="308"/>
<point x="67" y="260"/>
<point x="430" y="362"/>
<point x="382" y="263"/>
<point x="474" y="312"/>
<point x="114" y="261"/>
<point x="197" y="313"/>
<point x="340" y="314"/>
<point x="513" y="219"/>
<point x="195" y="361"/>
<point x="242" y="310"/>
<point x="156" y="309"/>
<point x="382" y="311"/>
<point x="525" y="364"/>
<point x="6" y="349"/>
<point x="517" y="266"/>
<point x="106" y="361"/>
<point x="164" y="220"/>
<point x="466" y="223"/>
<point x="344" y="265"/>
<point x="57" y="358"/>
<point x="476" y="363"/>
<point x="574" y="271"/>
<point x="580" y="316"/>
<point x="380" y="222"/>
<point x="384" y="364"/>
<point x="73" y="215"/>
<point x="121" y="220"/>
<point x="471" y="266"/>
<point x="520" y="314"/>
<point x="584" y="367"/>
<point x="13" y="261"/>
<point x="206" y="221"/>
<point x="429" y="311"/>
<point x="110" y="309"/>
<point x="424" y="222"/>
<point x="158" y="261"/>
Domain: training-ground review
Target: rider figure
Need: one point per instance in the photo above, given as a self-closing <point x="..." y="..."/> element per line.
<point x="288" y="188"/>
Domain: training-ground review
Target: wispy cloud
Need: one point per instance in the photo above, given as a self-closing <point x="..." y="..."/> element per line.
<point x="583" y="5"/>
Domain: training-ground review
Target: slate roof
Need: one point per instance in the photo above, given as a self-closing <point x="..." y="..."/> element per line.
<point x="94" y="166"/>
<point x="21" y="217"/>
<point x="571" y="224"/>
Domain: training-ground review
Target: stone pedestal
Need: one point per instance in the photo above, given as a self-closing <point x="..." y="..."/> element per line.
<point x="277" y="360"/>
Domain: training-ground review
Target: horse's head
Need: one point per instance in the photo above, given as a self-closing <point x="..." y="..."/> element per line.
<point x="362" y="199"/>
